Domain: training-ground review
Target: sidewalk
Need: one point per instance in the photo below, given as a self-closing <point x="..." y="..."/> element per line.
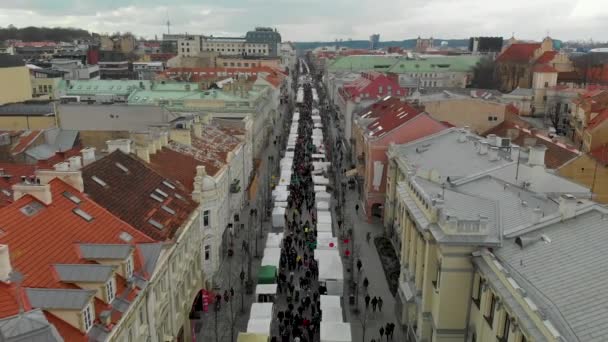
<point x="372" y="269"/>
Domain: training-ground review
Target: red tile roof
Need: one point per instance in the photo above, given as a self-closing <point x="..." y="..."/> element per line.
<point x="512" y="109"/>
<point x="128" y="194"/>
<point x="544" y="68"/>
<point x="25" y="141"/>
<point x="209" y="150"/>
<point x="600" y="154"/>
<point x="546" y="57"/>
<point x="369" y="84"/>
<point x="9" y="306"/>
<point x="556" y="155"/>
<point x="598" y="119"/>
<point x="518" y="53"/>
<point x="50" y="236"/>
<point x="388" y="113"/>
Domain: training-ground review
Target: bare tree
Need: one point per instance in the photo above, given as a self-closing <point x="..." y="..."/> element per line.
<point x="363" y="319"/>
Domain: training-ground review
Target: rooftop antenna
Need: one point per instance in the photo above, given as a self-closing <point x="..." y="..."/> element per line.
<point x="168" y="23"/>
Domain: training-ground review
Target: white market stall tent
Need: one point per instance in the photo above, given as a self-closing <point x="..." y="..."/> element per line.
<point x="296" y="117"/>
<point x="280" y="196"/>
<point x="318" y="125"/>
<point x="332" y="314"/>
<point x="278" y="221"/>
<point x="324" y="228"/>
<point x="320" y="180"/>
<point x="331" y="271"/>
<point x="330" y="301"/>
<point x="261" y="310"/>
<point x="290" y="154"/>
<point x="274" y="240"/>
<point x="335" y="332"/>
<point x="265" y="293"/>
<point x="324" y="216"/>
<point x="325" y="235"/>
<point x="272" y="257"/>
<point x="327" y="243"/>
<point x="260" y="326"/>
<point x="322" y="205"/>
<point x="320" y="188"/>
<point x="281" y="204"/>
<point x="322" y="197"/>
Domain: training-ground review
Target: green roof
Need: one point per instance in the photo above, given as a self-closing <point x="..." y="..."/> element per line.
<point x="153" y="97"/>
<point x="267" y="275"/>
<point x="435" y="64"/>
<point x="97" y="87"/>
<point x="360" y="63"/>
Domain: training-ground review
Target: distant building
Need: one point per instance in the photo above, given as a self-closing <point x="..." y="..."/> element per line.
<point x="485" y="44"/>
<point x="265" y="35"/>
<point x="423" y="44"/>
<point x="15" y="84"/>
<point x="374" y="41"/>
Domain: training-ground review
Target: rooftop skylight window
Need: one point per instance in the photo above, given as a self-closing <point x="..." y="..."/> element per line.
<point x="83" y="214"/>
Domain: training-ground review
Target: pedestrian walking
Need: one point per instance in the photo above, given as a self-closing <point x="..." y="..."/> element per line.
<point x="374" y="303"/>
<point x="367" y="299"/>
<point x="357" y="209"/>
<point x="380" y="304"/>
<point x="359" y="265"/>
<point x="381" y="330"/>
<point x="368" y="236"/>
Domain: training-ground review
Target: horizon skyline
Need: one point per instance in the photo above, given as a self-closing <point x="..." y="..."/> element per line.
<point x="301" y="20"/>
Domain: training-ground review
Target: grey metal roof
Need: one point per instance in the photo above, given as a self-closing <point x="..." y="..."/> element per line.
<point x="443" y="153"/>
<point x="84" y="273"/>
<point x="41" y="152"/>
<point x="516" y="204"/>
<point x="150" y="253"/>
<point x="31" y="326"/>
<point x="69" y="299"/>
<point x="509" y="300"/>
<point x="27" y="109"/>
<point x="105" y="251"/>
<point x="522" y="92"/>
<point x="567" y="276"/>
<point x="57" y="140"/>
<point x="120" y="304"/>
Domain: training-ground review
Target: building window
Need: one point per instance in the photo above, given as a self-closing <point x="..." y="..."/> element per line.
<point x="546" y="84"/>
<point x="129" y="267"/>
<point x="142" y="314"/>
<point x="183" y="50"/>
<point x="87" y="317"/>
<point x="207" y="252"/>
<point x="188" y="50"/>
<point x="505" y="328"/>
<point x="477" y="299"/>
<point x="380" y="89"/>
<point x="206" y="218"/>
<point x="111" y="289"/>
<point x="545" y="98"/>
<point x="489" y="316"/>
<point x="437" y="281"/>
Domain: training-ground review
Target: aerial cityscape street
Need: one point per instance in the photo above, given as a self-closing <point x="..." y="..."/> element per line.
<point x="198" y="176"/>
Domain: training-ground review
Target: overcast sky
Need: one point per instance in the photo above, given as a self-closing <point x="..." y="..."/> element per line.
<point x="312" y="20"/>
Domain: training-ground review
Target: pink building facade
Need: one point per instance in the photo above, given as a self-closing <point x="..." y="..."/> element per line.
<point x="389" y="121"/>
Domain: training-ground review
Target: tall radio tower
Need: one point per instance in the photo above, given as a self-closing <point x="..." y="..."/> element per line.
<point x="168" y="23"/>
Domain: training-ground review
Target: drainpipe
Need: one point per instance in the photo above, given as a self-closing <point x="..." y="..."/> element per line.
<point x="468" y="321"/>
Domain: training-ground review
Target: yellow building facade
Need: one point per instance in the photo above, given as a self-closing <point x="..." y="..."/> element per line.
<point x="15" y="84"/>
<point x="587" y="171"/>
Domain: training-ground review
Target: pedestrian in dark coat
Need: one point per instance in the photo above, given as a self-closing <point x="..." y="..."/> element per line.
<point x="380" y="303"/>
<point x="381" y="332"/>
<point x="367" y="299"/>
<point x="374" y="303"/>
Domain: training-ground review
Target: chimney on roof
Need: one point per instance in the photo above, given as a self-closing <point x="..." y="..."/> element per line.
<point x="88" y="155"/>
<point x="63" y="166"/>
<point x="536" y="156"/>
<point x="493" y="152"/>
<point x="143" y="153"/>
<point x="75" y="163"/>
<point x="71" y="177"/>
<point x="462" y="136"/>
<point x="567" y="206"/>
<point x="197" y="129"/>
<point x="491" y="138"/>
<point x="119" y="144"/>
<point x="41" y="192"/>
<point x="5" y="264"/>
<point x="483" y="147"/>
<point x="106" y="317"/>
<point x="537" y="215"/>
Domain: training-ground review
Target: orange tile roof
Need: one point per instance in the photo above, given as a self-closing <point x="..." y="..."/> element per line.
<point x="544" y="68"/>
<point x="210" y="150"/>
<point x="557" y="154"/>
<point x="68" y="332"/>
<point x="600" y="154"/>
<point x="518" y="53"/>
<point x="128" y="195"/>
<point x="546" y="57"/>
<point x="50" y="236"/>
<point x="25" y="141"/>
<point x="598" y="119"/>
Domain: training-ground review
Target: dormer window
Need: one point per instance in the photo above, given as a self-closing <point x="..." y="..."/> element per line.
<point x="111" y="289"/>
<point x="129" y="267"/>
<point x="88" y="317"/>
